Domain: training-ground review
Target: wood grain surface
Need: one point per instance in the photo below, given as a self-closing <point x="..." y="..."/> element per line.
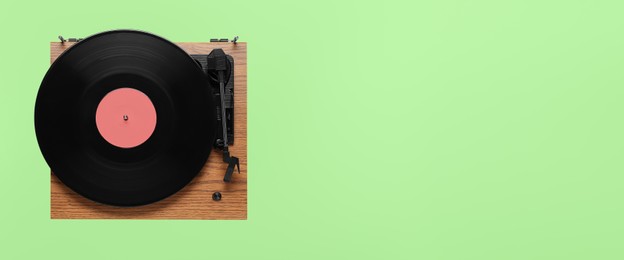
<point x="195" y="200"/>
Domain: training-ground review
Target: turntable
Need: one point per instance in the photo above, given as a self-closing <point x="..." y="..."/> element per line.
<point x="136" y="127"/>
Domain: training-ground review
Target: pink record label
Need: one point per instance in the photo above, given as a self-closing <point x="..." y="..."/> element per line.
<point x="126" y="117"/>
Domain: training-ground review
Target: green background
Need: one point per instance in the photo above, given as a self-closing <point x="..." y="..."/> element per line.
<point x="380" y="130"/>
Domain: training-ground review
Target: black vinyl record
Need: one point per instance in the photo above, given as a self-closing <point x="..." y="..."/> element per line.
<point x="76" y="151"/>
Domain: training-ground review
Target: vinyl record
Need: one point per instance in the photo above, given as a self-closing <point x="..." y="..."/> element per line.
<point x="125" y="118"/>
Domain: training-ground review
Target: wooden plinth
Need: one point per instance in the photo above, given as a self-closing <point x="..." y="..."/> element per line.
<point x="195" y="200"/>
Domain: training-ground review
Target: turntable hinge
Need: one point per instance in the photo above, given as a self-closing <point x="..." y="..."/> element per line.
<point x="69" y="39"/>
<point x="234" y="40"/>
